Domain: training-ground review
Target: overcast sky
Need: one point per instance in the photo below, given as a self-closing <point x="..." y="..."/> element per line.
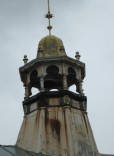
<point x="86" y="26"/>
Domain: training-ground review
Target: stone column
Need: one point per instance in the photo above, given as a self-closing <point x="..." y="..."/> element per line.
<point x="65" y="85"/>
<point x="42" y="83"/>
<point x="80" y="87"/>
<point x="27" y="92"/>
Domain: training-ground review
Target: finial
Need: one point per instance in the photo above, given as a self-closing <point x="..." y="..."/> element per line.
<point x="77" y="56"/>
<point x="49" y="16"/>
<point x="25" y="59"/>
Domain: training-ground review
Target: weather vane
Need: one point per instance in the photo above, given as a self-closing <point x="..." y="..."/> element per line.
<point x="49" y="16"/>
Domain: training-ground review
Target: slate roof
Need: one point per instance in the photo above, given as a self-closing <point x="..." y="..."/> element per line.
<point x="16" y="151"/>
<point x="107" y="155"/>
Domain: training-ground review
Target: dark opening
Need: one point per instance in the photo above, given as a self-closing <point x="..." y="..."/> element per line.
<point x="71" y="78"/>
<point x="53" y="79"/>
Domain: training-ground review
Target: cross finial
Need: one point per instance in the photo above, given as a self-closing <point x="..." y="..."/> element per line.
<point x="49" y="16"/>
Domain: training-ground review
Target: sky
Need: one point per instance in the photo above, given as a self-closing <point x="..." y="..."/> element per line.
<point x="86" y="26"/>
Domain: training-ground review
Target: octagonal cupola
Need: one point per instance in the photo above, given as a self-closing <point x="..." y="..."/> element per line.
<point x="54" y="71"/>
<point x="50" y="46"/>
<point x="52" y="68"/>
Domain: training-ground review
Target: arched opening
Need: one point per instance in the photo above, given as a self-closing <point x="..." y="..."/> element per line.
<point x="34" y="73"/>
<point x="33" y="76"/>
<point x="71" y="78"/>
<point x="53" y="80"/>
<point x="71" y="71"/>
<point x="34" y="83"/>
<point x="52" y="69"/>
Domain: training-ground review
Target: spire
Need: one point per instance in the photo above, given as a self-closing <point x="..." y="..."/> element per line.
<point x="49" y="16"/>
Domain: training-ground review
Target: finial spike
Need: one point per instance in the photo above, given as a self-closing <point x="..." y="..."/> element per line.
<point x="49" y="16"/>
<point x="48" y="6"/>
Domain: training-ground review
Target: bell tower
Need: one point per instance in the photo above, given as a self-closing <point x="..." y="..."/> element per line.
<point x="55" y="119"/>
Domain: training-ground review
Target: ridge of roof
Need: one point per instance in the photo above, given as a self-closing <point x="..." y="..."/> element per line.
<point x="13" y="150"/>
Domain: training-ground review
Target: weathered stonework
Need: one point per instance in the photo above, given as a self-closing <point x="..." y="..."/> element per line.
<point x="57" y="131"/>
<point x="55" y="122"/>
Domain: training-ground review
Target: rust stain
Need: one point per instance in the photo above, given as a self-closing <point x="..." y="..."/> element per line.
<point x="37" y="120"/>
<point x="85" y="122"/>
<point x="55" y="126"/>
<point x="66" y="134"/>
<point x="24" y="126"/>
<point x="46" y="117"/>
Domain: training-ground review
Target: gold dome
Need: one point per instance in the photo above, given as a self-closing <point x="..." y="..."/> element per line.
<point x="50" y="46"/>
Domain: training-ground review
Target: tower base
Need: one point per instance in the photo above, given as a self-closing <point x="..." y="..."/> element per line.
<point x="58" y="129"/>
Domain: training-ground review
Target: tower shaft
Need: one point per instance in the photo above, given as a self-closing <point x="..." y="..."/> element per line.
<point x="57" y="125"/>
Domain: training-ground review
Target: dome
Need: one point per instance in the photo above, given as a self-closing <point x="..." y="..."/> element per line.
<point x="50" y="46"/>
